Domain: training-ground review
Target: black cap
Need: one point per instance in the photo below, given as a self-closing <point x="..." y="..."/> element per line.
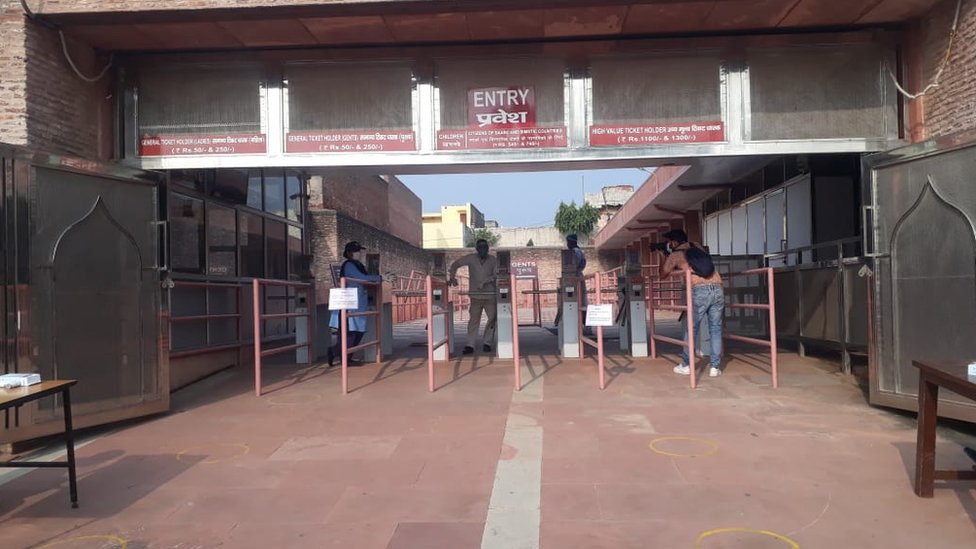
<point x="353" y="247"/>
<point x="571" y="237"/>
<point x="676" y="234"/>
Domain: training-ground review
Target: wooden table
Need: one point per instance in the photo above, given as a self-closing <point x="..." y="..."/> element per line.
<point x="933" y="374"/>
<point x="13" y="398"/>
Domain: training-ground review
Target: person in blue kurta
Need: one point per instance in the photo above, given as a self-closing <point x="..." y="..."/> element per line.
<point x="352" y="267"/>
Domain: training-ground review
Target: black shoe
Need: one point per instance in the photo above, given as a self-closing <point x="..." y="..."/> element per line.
<point x="353" y="363"/>
<point x="467" y="350"/>
<point x="486" y="348"/>
<point x="330" y="358"/>
<point x="970" y="452"/>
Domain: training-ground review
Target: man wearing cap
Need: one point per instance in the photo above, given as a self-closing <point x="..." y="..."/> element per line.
<point x="482" y="273"/>
<point x="708" y="300"/>
<point x="352" y="268"/>
<point x="579" y="260"/>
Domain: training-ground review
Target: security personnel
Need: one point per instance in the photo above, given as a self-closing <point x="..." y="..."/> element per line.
<point x="482" y="274"/>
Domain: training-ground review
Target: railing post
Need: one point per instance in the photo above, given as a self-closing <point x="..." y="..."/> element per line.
<point x="773" y="347"/>
<point x="690" y="318"/>
<point x="256" y="293"/>
<point x="599" y="333"/>
<point x="430" y="334"/>
<point x="516" y="354"/>
<point x="344" y="335"/>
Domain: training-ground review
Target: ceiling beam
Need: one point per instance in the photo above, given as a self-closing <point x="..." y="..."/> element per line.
<point x="670" y="210"/>
<point x="705" y="186"/>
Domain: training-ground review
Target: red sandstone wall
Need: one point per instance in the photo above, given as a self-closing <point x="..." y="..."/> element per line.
<point x="405" y="212"/>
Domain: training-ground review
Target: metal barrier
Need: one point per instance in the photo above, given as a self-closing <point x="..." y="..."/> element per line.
<point x="431" y="344"/>
<point x="259" y="317"/>
<point x="598" y="342"/>
<point x="516" y="354"/>
<point x="344" y="316"/>
<point x="690" y="316"/>
<point x="238" y="317"/>
<point x="534" y="299"/>
<point x="769" y="306"/>
<point x="408" y="303"/>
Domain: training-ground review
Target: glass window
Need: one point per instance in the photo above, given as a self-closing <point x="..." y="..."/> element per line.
<point x="277" y="250"/>
<point x="293" y="187"/>
<point x="186" y="234"/>
<point x="231" y="186"/>
<point x="295" y="261"/>
<point x="274" y="192"/>
<point x="221" y="240"/>
<point x="255" y="196"/>
<point x="193" y="179"/>
<point x="252" y="245"/>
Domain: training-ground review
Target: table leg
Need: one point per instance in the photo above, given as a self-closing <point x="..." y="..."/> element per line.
<point x="69" y="442"/>
<point x="928" y="402"/>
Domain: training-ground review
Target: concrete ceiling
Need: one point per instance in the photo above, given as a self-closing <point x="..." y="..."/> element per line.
<point x="454" y="21"/>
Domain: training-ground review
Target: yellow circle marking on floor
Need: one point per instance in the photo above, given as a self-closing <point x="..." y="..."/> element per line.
<point x="792" y="544"/>
<point x="122" y="544"/>
<point x="243" y="450"/>
<point x="312" y="397"/>
<point x="712" y="446"/>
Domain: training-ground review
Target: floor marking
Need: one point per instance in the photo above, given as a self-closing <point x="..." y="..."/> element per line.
<point x="712" y="446"/>
<point x="122" y="544"/>
<point x="514" y="513"/>
<point x="792" y="544"/>
<point x="243" y="450"/>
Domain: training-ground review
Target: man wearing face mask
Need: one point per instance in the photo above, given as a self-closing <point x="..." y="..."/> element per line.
<point x="352" y="267"/>
<point x="482" y="273"/>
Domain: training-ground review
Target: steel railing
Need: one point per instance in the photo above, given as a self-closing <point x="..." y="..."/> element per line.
<point x="260" y="317"/>
<point x="345" y="315"/>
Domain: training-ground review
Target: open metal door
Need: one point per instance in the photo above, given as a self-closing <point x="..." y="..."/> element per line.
<point x="87" y="304"/>
<point x="921" y="229"/>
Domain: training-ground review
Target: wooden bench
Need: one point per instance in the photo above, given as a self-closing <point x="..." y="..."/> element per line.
<point x="933" y="374"/>
<point x="14" y="398"/>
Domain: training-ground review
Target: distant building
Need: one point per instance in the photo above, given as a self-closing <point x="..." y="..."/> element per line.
<point x="609" y="200"/>
<point x="491" y="224"/>
<point x="452" y="227"/>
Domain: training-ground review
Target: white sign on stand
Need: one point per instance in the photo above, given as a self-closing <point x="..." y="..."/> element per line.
<point x="599" y="315"/>
<point x="343" y="298"/>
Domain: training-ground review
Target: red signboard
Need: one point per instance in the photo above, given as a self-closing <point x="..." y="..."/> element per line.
<point x="501" y="108"/>
<point x="622" y="135"/>
<point x="514" y="138"/>
<point x="350" y="141"/>
<point x="203" y="144"/>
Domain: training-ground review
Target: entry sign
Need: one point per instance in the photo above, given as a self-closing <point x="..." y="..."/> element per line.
<point x="599" y="315"/>
<point x="501" y="108"/>
<point x="343" y="298"/>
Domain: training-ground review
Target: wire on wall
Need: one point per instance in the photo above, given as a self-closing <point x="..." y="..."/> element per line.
<point x="942" y="66"/>
<point x="64" y="46"/>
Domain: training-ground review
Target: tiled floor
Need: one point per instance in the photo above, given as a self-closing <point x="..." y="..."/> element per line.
<point x="646" y="463"/>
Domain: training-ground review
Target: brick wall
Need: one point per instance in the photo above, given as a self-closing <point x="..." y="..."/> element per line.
<point x="42" y="103"/>
<point x="363" y="197"/>
<point x="549" y="260"/>
<point x="952" y="106"/>
<point x="405" y="212"/>
<point x="331" y="230"/>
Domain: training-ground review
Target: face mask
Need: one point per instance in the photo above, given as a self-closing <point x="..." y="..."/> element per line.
<point x="669" y="247"/>
<point x="357" y="256"/>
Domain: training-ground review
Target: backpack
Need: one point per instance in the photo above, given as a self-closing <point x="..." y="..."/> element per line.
<point x="700" y="262"/>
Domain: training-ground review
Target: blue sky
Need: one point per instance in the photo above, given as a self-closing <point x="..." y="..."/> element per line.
<point x="516" y="199"/>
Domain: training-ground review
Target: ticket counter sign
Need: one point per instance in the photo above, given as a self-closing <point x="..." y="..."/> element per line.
<point x="514" y="138"/>
<point x="501" y="118"/>
<point x="350" y="141"/>
<point x="203" y="144"/>
<point x="630" y="135"/>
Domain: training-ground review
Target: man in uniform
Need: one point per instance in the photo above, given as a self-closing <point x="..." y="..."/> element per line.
<point x="482" y="274"/>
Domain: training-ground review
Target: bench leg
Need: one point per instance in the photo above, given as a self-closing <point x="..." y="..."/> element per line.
<point x="69" y="442"/>
<point x="928" y="401"/>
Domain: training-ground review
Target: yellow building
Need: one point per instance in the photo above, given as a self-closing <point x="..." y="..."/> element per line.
<point x="452" y="227"/>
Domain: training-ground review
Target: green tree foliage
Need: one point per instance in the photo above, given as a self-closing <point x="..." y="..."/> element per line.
<point x="580" y="220"/>
<point x="484" y="233"/>
<point x="530" y="243"/>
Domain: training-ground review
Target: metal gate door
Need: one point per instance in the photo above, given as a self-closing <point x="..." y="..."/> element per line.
<point x="88" y="305"/>
<point x="923" y="235"/>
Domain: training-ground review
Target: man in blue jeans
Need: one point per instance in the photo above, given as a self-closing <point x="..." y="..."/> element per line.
<point x="707" y="296"/>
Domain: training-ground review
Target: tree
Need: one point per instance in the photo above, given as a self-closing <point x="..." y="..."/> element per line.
<point x="573" y="219"/>
<point x="486" y="234"/>
<point x="530" y="243"/>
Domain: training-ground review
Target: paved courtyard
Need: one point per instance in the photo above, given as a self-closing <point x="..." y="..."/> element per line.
<point x="646" y="463"/>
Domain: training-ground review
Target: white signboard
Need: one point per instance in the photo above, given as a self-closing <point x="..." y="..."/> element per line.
<point x="599" y="315"/>
<point x="343" y="298"/>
